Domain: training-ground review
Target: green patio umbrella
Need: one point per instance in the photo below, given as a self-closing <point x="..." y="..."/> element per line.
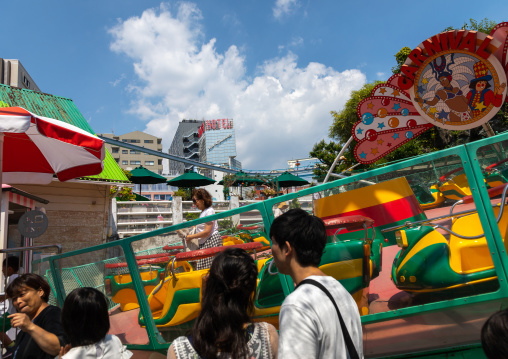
<point x="244" y="179"/>
<point x="140" y="175"/>
<point x="289" y="180"/>
<point x="190" y="179"/>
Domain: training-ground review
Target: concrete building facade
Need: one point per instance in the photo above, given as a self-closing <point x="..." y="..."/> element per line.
<point x="12" y="73"/>
<point x="130" y="159"/>
<point x="185" y="144"/>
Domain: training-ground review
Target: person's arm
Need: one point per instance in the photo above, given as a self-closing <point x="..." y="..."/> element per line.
<point x="203" y="234"/>
<point x="274" y="340"/>
<point x="47" y="341"/>
<point x="171" y="352"/>
<point x="298" y="334"/>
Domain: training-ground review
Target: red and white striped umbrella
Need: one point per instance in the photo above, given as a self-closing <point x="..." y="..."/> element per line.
<point x="35" y="148"/>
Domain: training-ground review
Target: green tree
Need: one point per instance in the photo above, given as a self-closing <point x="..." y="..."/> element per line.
<point x="185" y="193"/>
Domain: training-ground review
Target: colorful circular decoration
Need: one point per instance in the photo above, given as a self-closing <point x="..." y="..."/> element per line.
<point x="458" y="90"/>
<point x="409" y="134"/>
<point x="382" y="112"/>
<point x="404" y="112"/>
<point x="393" y="122"/>
<point x="367" y="118"/>
<point x="385" y="102"/>
<point x="371" y="135"/>
<point x="411" y="123"/>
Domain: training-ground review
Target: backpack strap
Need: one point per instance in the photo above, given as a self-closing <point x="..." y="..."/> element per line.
<point x="347" y="338"/>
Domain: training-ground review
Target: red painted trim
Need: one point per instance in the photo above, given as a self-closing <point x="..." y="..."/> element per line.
<point x="168" y="247"/>
<point x="208" y="252"/>
<point x="385" y="213"/>
<point x="240" y="226"/>
<point x="139" y="263"/>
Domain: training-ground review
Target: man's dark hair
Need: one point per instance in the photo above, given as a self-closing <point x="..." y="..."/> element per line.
<point x="305" y="233"/>
<point x="85" y="316"/>
<point x="28" y="280"/>
<point x="12" y="262"/>
<point x="495" y="335"/>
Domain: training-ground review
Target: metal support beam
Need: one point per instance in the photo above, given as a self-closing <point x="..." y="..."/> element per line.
<point x="191" y="162"/>
<point x="165" y="155"/>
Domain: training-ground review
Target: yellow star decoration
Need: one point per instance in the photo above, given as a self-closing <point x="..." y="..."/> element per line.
<point x="480" y="106"/>
<point x="383" y="90"/>
<point x="424" y="81"/>
<point x="396" y="93"/>
<point x="380" y="142"/>
<point x="432" y="110"/>
<point x="374" y="151"/>
<point x="370" y="105"/>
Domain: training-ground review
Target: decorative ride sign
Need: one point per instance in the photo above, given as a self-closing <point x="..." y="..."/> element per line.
<point x="455" y="80"/>
<point x="33" y="224"/>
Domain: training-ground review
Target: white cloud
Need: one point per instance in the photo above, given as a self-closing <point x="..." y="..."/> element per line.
<point x="117" y="81"/>
<point x="284" y="7"/>
<point x="381" y="75"/>
<point x="278" y="114"/>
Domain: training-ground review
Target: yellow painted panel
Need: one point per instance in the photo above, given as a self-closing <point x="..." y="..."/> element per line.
<point x="429" y="239"/>
<point x="362" y="197"/>
<point x="184" y="313"/>
<point x="344" y="270"/>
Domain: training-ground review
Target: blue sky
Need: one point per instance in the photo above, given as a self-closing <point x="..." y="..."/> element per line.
<point x="276" y="67"/>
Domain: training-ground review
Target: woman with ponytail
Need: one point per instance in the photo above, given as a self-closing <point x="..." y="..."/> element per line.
<point x="223" y="328"/>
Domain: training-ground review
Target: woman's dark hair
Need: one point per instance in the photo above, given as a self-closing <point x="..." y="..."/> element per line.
<point x="28" y="280"/>
<point x="85" y="316"/>
<point x="495" y="335"/>
<point x="203" y="194"/>
<point x="472" y="84"/>
<point x="226" y="305"/>
<point x="305" y="233"/>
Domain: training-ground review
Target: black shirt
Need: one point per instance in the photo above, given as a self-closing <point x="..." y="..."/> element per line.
<point x="49" y="320"/>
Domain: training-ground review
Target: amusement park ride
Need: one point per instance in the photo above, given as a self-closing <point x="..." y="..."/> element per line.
<point x="419" y="244"/>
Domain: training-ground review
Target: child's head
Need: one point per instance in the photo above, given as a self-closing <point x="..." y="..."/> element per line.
<point x="85" y="316"/>
<point x="494" y="335"/>
<point x="10" y="266"/>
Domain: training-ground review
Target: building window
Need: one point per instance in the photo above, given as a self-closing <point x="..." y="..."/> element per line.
<point x="159" y="162"/>
<point x="148" y="141"/>
<point x="125" y="152"/>
<point x="26" y="82"/>
<point x="117" y="160"/>
<point x="114" y="149"/>
<point x="134" y="152"/>
<point x="125" y="162"/>
<point x="149" y="163"/>
<point x="135" y="162"/>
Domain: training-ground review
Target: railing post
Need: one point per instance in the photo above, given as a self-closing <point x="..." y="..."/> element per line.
<point x="114" y="217"/>
<point x="234" y="202"/>
<point x="176" y="208"/>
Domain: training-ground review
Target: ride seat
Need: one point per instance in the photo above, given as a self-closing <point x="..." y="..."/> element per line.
<point x="473" y="255"/>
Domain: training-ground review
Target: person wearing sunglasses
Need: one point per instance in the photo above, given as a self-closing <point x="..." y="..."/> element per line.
<point x="207" y="233"/>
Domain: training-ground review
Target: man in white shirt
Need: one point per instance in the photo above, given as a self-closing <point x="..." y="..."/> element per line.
<point x="308" y="323"/>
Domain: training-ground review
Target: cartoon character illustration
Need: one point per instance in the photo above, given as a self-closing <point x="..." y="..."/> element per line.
<point x="480" y="97"/>
<point x="456" y="107"/>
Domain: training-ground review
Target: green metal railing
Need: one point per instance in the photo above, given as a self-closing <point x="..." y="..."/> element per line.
<point x="465" y="156"/>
